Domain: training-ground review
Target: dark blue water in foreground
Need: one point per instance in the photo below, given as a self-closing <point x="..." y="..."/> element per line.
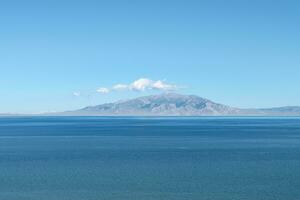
<point x="90" y="158"/>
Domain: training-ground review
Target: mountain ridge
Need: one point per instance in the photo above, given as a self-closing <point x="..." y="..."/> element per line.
<point x="173" y="104"/>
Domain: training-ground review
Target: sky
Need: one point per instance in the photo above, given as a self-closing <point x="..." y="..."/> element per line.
<point x="61" y="55"/>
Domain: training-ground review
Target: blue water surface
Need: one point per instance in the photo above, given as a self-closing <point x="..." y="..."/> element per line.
<point x="130" y="158"/>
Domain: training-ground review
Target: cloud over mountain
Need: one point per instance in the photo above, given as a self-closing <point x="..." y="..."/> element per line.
<point x="103" y="90"/>
<point x="76" y="94"/>
<point x="140" y="85"/>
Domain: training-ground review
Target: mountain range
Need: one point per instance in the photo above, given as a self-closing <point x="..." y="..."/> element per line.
<point x="172" y="104"/>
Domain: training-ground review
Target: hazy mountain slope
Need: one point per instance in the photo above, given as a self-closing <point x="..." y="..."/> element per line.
<point x="169" y="104"/>
<point x="281" y="111"/>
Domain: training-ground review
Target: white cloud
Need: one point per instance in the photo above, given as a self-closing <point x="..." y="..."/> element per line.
<point x="103" y="90"/>
<point x="76" y="94"/>
<point x="160" y="85"/>
<point x="120" y="87"/>
<point x="140" y="85"/>
<point x="144" y="84"/>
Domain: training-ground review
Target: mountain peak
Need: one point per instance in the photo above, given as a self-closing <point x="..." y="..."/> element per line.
<point x="174" y="104"/>
<point x="172" y="96"/>
<point x="166" y="94"/>
<point x="165" y="104"/>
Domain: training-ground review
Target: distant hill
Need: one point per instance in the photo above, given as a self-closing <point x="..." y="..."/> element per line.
<point x="171" y="104"/>
<point x="287" y="110"/>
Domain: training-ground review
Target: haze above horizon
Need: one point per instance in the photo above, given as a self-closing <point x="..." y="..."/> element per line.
<point x="64" y="55"/>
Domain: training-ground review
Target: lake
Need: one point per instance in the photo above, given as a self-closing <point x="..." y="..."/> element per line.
<point x="143" y="158"/>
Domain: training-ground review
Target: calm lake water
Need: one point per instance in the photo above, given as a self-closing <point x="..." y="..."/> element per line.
<point x="98" y="158"/>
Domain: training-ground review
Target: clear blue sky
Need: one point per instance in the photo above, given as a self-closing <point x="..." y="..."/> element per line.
<point x="242" y="53"/>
